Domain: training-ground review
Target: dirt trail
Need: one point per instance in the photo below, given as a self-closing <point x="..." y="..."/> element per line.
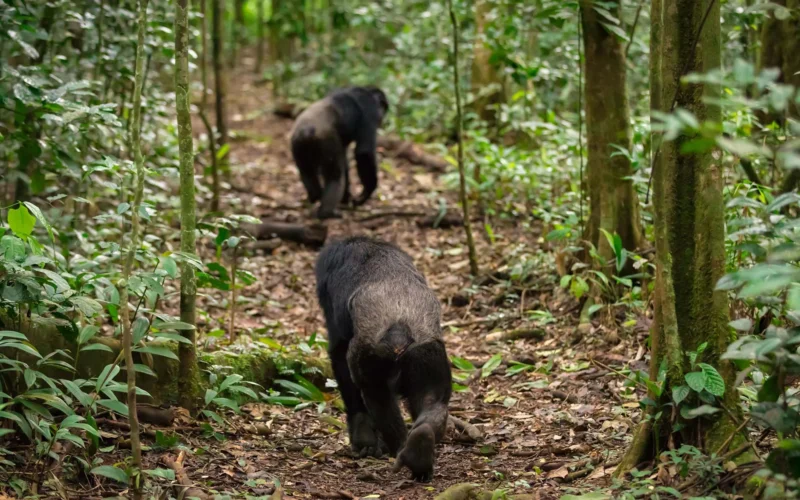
<point x="538" y="424"/>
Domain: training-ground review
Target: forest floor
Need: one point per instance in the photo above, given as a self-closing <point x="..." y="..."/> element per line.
<point x="555" y="429"/>
<point x="546" y="431"/>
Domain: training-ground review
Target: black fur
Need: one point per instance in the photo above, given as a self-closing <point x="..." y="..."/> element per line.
<point x="320" y="138"/>
<point x="385" y="342"/>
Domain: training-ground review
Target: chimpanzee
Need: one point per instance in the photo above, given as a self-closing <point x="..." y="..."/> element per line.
<point x="385" y="342"/>
<point x="321" y="135"/>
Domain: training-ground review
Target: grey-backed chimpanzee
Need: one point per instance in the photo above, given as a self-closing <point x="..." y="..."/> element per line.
<point x="385" y="342"/>
<point x="321" y="135"/>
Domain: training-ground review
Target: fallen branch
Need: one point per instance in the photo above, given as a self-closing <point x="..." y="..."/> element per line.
<point x="519" y="333"/>
<point x="185" y="486"/>
<point x="413" y="153"/>
<point x="313" y="235"/>
<point x="465" y="428"/>
<point x="163" y="417"/>
<point x="446" y="222"/>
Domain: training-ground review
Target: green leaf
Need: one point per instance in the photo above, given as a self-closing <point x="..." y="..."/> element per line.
<point x="170" y="266"/>
<point x="462" y="364"/>
<point x="229" y="381"/>
<point x="680" y="393"/>
<point x="88" y="306"/>
<point x="298" y="389"/>
<point x="96" y="346"/>
<point x="111" y="472"/>
<point x="770" y="391"/>
<point x="106" y="376"/>
<point x="8" y="334"/>
<point x="714" y="381"/>
<point x="227" y="403"/>
<point x="174" y="337"/>
<point x="114" y="405"/>
<point x="173" y="325"/>
<point x="167" y="474"/>
<point x="21" y="221"/>
<point x="87" y="333"/>
<point x="24" y="347"/>
<point x="139" y="329"/>
<point x="40" y="216"/>
<point x="491" y="365"/>
<point x="157" y="350"/>
<point x="60" y="283"/>
<point x="696" y="380"/>
<point x="210" y="395"/>
<point x="221" y="152"/>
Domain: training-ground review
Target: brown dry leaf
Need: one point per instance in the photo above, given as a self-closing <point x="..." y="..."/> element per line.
<point x="559" y="473"/>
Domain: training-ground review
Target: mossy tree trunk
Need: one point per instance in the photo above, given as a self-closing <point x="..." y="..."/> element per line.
<point x="486" y="81"/>
<point x="186" y="351"/>
<point x="613" y="202"/>
<point x="689" y="233"/>
<point x="220" y="89"/>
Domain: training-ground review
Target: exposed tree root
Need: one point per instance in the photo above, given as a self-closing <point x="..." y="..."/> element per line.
<point x="185" y="488"/>
<point x="466" y="429"/>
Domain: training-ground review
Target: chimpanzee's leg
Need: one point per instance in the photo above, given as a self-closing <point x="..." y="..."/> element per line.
<point x="333" y="172"/>
<point x="363" y="435"/>
<point x="372" y="373"/>
<point x="426" y="382"/>
<point x="308" y="165"/>
<point x="346" y="196"/>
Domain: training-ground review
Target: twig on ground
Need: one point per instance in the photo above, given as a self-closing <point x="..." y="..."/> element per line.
<point x="518" y="333"/>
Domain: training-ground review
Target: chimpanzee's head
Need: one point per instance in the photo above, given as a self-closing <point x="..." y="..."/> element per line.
<point x="380" y="97"/>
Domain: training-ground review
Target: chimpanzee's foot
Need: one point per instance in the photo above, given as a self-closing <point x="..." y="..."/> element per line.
<point x="418" y="453"/>
<point x="364" y="437"/>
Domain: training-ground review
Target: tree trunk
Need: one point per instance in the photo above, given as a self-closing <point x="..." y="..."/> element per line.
<point x="613" y="202"/>
<point x="237" y="31"/>
<point x="473" y="258"/>
<point x="220" y="84"/>
<point x="127" y="338"/>
<point x="188" y="357"/>
<point x="771" y="56"/>
<point x="487" y="83"/>
<point x="212" y="146"/>
<point x="689" y="235"/>
<point x="275" y="49"/>
<point x="261" y="38"/>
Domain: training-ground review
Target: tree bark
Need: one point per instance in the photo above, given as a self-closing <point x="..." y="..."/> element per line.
<point x="261" y="38"/>
<point x="689" y="231"/>
<point x="473" y="257"/>
<point x="220" y="84"/>
<point x="486" y="81"/>
<point x="127" y="338"/>
<point x="187" y="372"/>
<point x="613" y="202"/>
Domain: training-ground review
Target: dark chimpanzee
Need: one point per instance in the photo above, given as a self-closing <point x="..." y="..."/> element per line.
<point x="320" y="138"/>
<point x="385" y="342"/>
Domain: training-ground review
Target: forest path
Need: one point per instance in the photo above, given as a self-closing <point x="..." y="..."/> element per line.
<point x="545" y="429"/>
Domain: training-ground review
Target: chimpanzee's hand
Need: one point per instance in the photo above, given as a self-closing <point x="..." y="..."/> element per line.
<point x="418" y="453"/>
